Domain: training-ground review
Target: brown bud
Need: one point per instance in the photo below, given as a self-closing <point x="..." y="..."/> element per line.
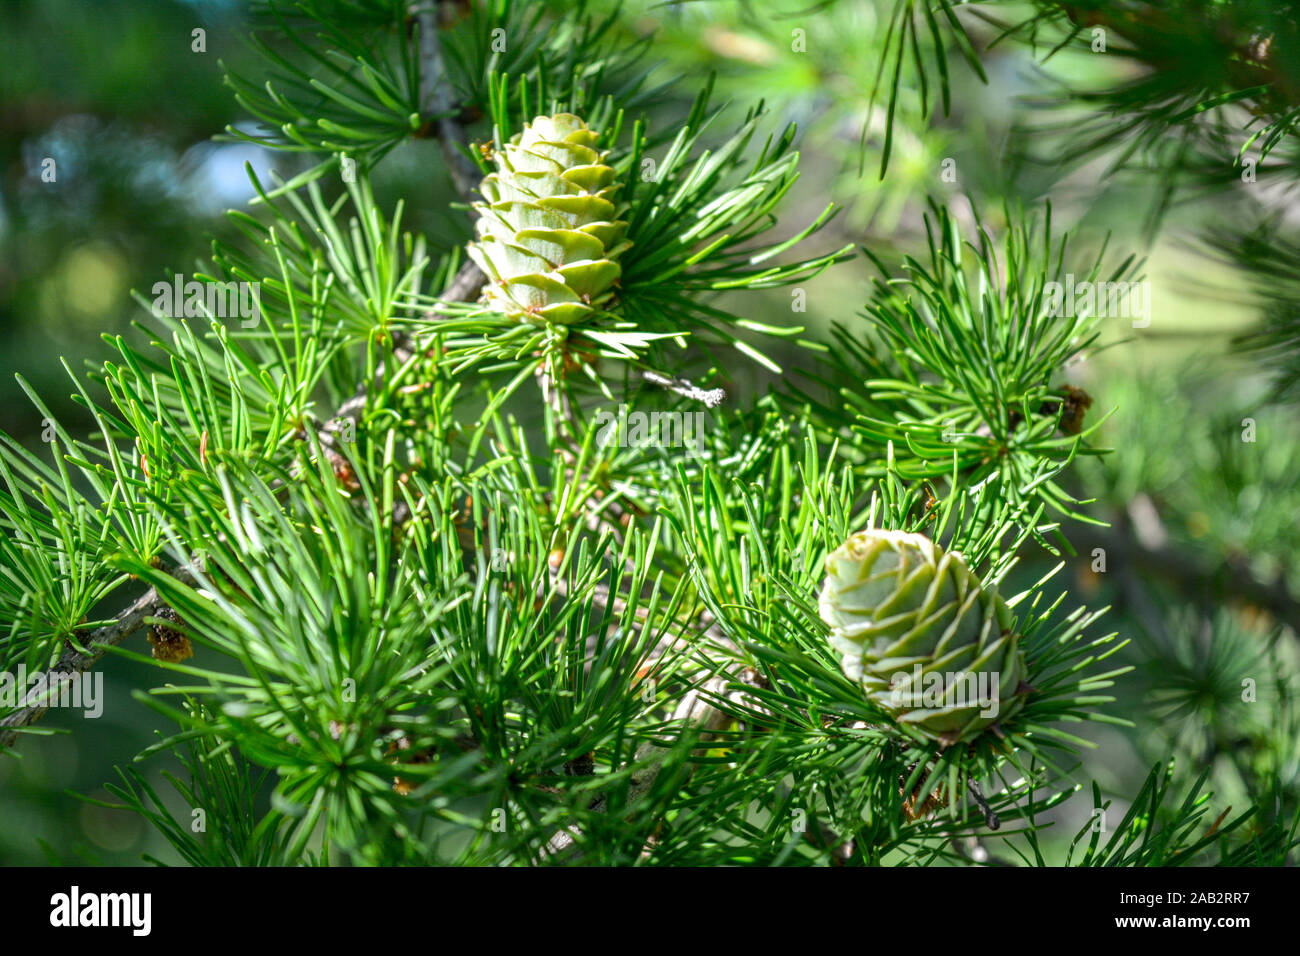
<point x="343" y="473"/>
<point x="169" y="644"/>
<point x="1074" y="406"/>
<point x="932" y="802"/>
<point x="401" y="784"/>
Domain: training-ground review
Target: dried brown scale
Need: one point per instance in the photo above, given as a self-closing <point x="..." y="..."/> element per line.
<point x="343" y="472"/>
<point x="169" y="643"/>
<point x="916" y="807"/>
<point x="583" y="766"/>
<point x="1074" y="405"/>
<point x="400" y="748"/>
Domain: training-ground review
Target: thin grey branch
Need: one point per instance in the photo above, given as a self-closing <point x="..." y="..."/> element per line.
<point x="73" y="661"/>
<point x="438" y="102"/>
<point x="1196" y="578"/>
<point x="465" y="285"/>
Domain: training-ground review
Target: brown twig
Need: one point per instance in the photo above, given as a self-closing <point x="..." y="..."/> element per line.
<point x="78" y="660"/>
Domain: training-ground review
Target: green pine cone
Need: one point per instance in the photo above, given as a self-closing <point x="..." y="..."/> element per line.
<point x="549" y="236"/>
<point x="923" y="638"/>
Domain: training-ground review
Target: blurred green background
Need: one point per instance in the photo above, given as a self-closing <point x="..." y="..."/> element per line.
<point x="116" y="95"/>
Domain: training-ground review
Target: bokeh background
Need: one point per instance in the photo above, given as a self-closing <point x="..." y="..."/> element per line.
<point x="1200" y="569"/>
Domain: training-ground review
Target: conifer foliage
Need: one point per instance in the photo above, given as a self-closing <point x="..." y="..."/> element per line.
<point x="421" y="586"/>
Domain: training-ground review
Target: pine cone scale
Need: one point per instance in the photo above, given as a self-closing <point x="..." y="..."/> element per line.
<point x="921" y="636"/>
<point x="548" y="236"/>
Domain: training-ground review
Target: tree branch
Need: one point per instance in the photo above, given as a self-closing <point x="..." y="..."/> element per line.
<point x="711" y="397"/>
<point x="1194" y="578"/>
<point x="438" y="104"/>
<point x="131" y="618"/>
<point x="75" y="661"/>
